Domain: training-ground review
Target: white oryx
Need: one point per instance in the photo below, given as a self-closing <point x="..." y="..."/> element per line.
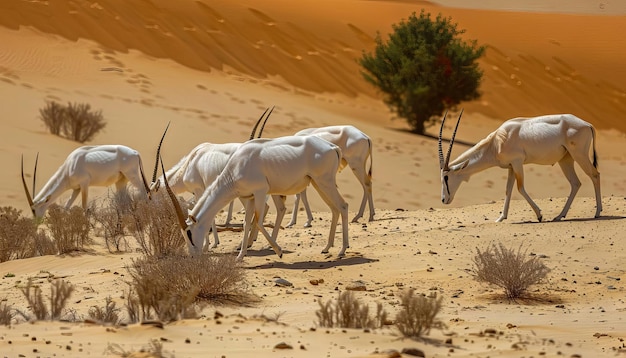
<point x="261" y="167"/>
<point x="99" y="165"/>
<point x="356" y="148"/>
<point x="549" y="139"/>
<point x="198" y="169"/>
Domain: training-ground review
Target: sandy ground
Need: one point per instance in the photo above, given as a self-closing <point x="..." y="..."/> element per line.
<point x="212" y="67"/>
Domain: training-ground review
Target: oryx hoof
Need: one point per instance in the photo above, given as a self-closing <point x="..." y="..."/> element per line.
<point x="540" y="218"/>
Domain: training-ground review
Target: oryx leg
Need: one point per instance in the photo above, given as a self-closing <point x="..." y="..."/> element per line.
<point x="518" y="169"/>
<point x="507" y="199"/>
<point x="567" y="166"/>
<point x="587" y="166"/>
<point x="366" y="182"/>
<point x="259" y="213"/>
<point x="229" y="215"/>
<point x="73" y="197"/>
<point x="307" y="208"/>
<point x="329" y="193"/>
<point x="294" y="214"/>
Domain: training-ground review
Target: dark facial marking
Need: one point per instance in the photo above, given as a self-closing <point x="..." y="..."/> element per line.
<point x="189" y="237"/>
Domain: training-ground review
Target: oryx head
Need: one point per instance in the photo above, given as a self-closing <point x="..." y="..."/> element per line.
<point x="450" y="178"/>
<point x="186" y="222"/>
<point x="37" y="208"/>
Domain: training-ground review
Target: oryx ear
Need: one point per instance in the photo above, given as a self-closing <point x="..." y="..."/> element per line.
<point x="460" y="166"/>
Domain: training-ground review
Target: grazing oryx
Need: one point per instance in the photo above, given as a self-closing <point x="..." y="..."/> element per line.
<point x="562" y="138"/>
<point x="356" y="147"/>
<point x="281" y="166"/>
<point x="198" y="169"/>
<point x="100" y="165"/>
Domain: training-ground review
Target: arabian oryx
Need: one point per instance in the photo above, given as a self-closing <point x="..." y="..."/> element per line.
<point x="198" y="169"/>
<point x="99" y="165"/>
<point x="562" y="138"/>
<point x="356" y="148"/>
<point x="277" y="167"/>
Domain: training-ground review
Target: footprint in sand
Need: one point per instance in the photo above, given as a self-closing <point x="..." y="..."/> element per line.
<point x="266" y="19"/>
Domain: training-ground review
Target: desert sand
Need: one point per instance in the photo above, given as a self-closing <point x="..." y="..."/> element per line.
<point x="212" y="67"/>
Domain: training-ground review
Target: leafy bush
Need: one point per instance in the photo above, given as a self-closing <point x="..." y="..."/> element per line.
<point x="514" y="271"/>
<point x="69" y="228"/>
<point x="418" y="314"/>
<point x="19" y="237"/>
<point x="171" y="287"/>
<point x="424" y="68"/>
<point x="76" y="121"/>
<point x="349" y="312"/>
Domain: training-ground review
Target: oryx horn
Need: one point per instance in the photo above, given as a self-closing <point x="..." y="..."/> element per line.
<point x="177" y="208"/>
<point x="441" y="163"/>
<point x="265" y="121"/>
<point x="28" y="196"/>
<point x="452" y="140"/>
<point x="257" y="124"/>
<point x="158" y="155"/>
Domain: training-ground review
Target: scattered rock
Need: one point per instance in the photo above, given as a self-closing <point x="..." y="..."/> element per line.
<point x="357" y="286"/>
<point x="282" y="282"/>
<point x="283" y="345"/>
<point x="157" y="324"/>
<point x="391" y="353"/>
<point x="413" y="352"/>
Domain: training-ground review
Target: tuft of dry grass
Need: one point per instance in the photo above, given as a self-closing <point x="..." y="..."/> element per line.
<point x="173" y="287"/>
<point x="513" y="271"/>
<point x="7" y="313"/>
<point x="349" y="312"/>
<point x="60" y="292"/>
<point x="418" y="314"/>
<point x="107" y="314"/>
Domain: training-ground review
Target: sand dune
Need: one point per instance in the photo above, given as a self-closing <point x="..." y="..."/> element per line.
<point x="212" y="67"/>
<point x="575" y="61"/>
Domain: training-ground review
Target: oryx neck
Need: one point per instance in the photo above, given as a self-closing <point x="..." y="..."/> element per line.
<point x="56" y="185"/>
<point x="479" y="157"/>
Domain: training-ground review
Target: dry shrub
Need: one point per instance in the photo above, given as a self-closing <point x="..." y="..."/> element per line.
<point x="349" y="312"/>
<point x="60" y="292"/>
<point x="107" y="314"/>
<point x="154" y="350"/>
<point x="514" y="271"/>
<point x="52" y="116"/>
<point x="171" y="288"/>
<point x="69" y="228"/>
<point x="418" y="314"/>
<point x="112" y="218"/>
<point x="155" y="227"/>
<point x="7" y="313"/>
<point x="76" y="121"/>
<point x="17" y="235"/>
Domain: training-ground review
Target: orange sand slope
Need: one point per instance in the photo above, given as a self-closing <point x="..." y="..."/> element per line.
<point x="535" y="63"/>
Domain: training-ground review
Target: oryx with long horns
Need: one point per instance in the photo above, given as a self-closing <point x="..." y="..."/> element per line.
<point x="99" y="165"/>
<point x="549" y="139"/>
